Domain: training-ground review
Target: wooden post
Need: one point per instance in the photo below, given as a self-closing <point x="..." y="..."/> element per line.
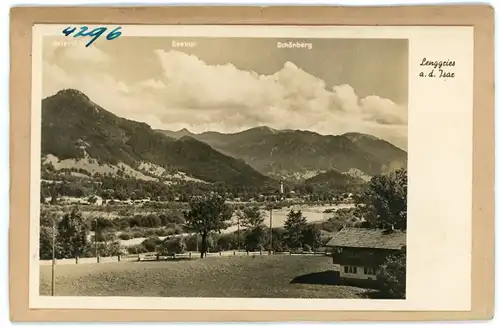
<point x="76" y="259"/>
<point x="119" y="257"/>
<point x="271" y="229"/>
<point x="95" y="242"/>
<point x="53" y="256"/>
<point x="238" y="217"/>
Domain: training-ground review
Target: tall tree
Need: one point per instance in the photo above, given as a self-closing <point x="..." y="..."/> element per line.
<point x="47" y="235"/>
<point x="72" y="234"/>
<point x="384" y="201"/>
<point x="251" y="217"/>
<point x="312" y="236"/>
<point x="53" y="196"/>
<point x="206" y="215"/>
<point x="295" y="226"/>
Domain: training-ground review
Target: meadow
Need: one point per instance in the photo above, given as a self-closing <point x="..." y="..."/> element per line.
<point x="277" y="276"/>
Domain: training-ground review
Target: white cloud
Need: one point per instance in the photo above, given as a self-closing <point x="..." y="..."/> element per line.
<point x="197" y="96"/>
<point x="79" y="53"/>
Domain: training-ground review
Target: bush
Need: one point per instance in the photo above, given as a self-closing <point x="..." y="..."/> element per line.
<point x="137" y="234"/>
<point x="392" y="276"/>
<point x="149" y="233"/>
<point x="136" y="249"/>
<point x="172" y="246"/>
<point x="124" y="236"/>
<point x="151" y="243"/>
<point x="306" y="248"/>
<point x="162" y="232"/>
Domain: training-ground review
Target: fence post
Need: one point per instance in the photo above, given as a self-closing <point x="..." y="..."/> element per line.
<point x="119" y="257"/>
<point x="98" y="259"/>
<point x="76" y="259"/>
<point x="189" y="254"/>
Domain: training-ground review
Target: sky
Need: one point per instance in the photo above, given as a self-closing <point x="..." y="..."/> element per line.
<point x="232" y="84"/>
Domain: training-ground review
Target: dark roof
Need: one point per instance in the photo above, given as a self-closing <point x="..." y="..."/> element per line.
<point x="368" y="238"/>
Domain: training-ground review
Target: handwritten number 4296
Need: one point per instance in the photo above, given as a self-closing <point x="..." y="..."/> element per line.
<point x="95" y="33"/>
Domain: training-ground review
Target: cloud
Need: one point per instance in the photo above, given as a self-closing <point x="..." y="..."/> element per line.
<point x="194" y="95"/>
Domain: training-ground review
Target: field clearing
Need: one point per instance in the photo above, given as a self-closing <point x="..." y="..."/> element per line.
<point x="278" y="276"/>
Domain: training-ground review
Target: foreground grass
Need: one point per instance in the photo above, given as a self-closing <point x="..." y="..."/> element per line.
<point x="260" y="276"/>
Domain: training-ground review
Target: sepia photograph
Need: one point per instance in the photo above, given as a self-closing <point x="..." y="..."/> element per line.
<point x="238" y="167"/>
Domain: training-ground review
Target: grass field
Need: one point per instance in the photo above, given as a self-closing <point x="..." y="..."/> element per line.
<point x="284" y="276"/>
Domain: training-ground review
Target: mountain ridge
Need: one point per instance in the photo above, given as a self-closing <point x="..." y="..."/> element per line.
<point x="92" y="132"/>
<point x="301" y="154"/>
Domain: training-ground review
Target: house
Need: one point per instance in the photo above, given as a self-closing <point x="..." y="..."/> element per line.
<point x="358" y="253"/>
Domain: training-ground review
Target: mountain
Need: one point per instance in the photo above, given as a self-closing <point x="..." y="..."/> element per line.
<point x="299" y="155"/>
<point x="335" y="180"/>
<point x="79" y="134"/>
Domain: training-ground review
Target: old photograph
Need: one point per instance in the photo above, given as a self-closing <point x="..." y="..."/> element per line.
<point x="223" y="167"/>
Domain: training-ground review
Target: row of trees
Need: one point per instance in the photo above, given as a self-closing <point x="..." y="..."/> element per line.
<point x="206" y="218"/>
<point x="212" y="215"/>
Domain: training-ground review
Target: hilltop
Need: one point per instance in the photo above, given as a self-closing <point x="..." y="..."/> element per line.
<point x="78" y="133"/>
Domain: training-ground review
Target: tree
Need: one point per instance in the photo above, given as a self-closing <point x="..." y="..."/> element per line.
<point x="42" y="197"/>
<point x="383" y="203"/>
<point x="53" y="196"/>
<point x="251" y="217"/>
<point x="295" y="226"/>
<point x="312" y="236"/>
<point x="72" y="234"/>
<point x="255" y="238"/>
<point x="47" y="234"/>
<point x="206" y="215"/>
<point x="173" y="246"/>
<point x="151" y="243"/>
<point x="392" y="275"/>
<point x="227" y="241"/>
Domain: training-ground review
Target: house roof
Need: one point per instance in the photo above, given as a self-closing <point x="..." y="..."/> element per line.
<point x="368" y="238"/>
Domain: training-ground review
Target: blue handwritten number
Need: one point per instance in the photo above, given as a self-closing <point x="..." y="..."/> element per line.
<point x="95" y="33"/>
<point x="68" y="30"/>
<point x="114" y="34"/>
<point x="82" y="31"/>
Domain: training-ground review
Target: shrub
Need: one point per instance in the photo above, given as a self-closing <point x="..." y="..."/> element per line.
<point x="136" y="249"/>
<point x="124" y="236"/>
<point x="137" y="234"/>
<point x="151" y="243"/>
<point x="149" y="233"/>
<point x="392" y="276"/>
<point x="162" y="232"/>
<point x="306" y="248"/>
<point x="173" y="246"/>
